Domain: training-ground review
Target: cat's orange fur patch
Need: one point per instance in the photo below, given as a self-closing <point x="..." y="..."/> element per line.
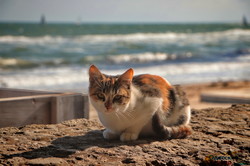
<point x="158" y="83"/>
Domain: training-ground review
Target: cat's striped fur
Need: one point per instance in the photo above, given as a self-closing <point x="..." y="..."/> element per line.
<point x="129" y="106"/>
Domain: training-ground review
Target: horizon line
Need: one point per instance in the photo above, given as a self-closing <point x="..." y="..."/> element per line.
<point x="121" y="22"/>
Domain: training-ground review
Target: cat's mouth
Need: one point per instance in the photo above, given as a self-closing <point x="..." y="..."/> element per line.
<point x="109" y="110"/>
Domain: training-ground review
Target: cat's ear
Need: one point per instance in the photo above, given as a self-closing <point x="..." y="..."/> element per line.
<point x="127" y="76"/>
<point x="94" y="73"/>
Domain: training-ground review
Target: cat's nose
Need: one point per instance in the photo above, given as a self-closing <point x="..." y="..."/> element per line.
<point x="108" y="106"/>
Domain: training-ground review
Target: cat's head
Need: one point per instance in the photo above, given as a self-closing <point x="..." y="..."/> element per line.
<point x="109" y="93"/>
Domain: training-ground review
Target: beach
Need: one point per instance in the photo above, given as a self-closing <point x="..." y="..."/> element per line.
<point x="220" y="137"/>
<point x="195" y="91"/>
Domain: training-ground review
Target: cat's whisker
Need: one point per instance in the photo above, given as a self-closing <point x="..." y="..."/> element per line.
<point x="127" y="115"/>
<point x="117" y="115"/>
<point x="130" y="115"/>
<point x="123" y="116"/>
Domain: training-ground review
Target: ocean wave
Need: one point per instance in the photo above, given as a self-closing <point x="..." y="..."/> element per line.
<point x="244" y="58"/>
<point x="168" y="36"/>
<point x="77" y="77"/>
<point x="139" y="58"/>
<point x="14" y="63"/>
<point x="135" y="37"/>
<point x="121" y="48"/>
<point x="41" y="78"/>
<point x="32" y="40"/>
<point x="146" y="57"/>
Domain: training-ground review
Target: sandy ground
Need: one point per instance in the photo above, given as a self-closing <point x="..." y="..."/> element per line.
<point x="221" y="136"/>
<point x="194" y="92"/>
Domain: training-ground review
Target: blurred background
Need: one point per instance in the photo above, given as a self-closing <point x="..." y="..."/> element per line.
<point x="49" y="44"/>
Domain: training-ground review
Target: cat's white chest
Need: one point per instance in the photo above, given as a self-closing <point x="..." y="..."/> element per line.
<point x="138" y="116"/>
<point x="117" y="122"/>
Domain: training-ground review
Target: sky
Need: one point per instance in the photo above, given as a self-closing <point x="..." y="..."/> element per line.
<point x="135" y="11"/>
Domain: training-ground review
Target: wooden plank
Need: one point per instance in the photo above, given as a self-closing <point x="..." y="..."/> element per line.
<point x="34" y="96"/>
<point x="227" y="96"/>
<point x="68" y="107"/>
<point x="6" y="92"/>
<point x="44" y="107"/>
<point x="26" y="111"/>
<point x="86" y="106"/>
<point x="55" y="111"/>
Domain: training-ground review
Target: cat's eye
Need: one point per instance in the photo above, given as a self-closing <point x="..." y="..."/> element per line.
<point x="117" y="97"/>
<point x="101" y="96"/>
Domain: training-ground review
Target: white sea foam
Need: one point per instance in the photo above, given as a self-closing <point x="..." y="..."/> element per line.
<point x="244" y="58"/>
<point x="136" y="37"/>
<point x="145" y="57"/>
<point x="32" y="40"/>
<point x="168" y="36"/>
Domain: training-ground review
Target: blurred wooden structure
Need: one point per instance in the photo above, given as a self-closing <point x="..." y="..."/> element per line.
<point x="22" y="107"/>
<point x="227" y="96"/>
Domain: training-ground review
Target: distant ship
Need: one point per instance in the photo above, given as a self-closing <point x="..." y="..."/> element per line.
<point x="42" y="20"/>
<point x="244" y="21"/>
<point x="79" y="21"/>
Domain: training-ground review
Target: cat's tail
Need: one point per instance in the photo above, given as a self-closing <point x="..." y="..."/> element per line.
<point x="173" y="132"/>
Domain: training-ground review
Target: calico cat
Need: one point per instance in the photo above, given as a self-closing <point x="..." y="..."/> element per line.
<point x="145" y="105"/>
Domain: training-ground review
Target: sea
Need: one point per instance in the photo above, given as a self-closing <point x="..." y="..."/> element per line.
<point x="56" y="57"/>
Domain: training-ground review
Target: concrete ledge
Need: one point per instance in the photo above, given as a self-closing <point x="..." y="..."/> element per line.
<point x="227" y="96"/>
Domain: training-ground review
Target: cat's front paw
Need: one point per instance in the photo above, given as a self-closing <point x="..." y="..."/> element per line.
<point x="128" y="136"/>
<point x="107" y="134"/>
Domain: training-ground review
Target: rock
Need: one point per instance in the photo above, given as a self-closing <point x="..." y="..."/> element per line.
<point x="217" y="133"/>
<point x="128" y="161"/>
